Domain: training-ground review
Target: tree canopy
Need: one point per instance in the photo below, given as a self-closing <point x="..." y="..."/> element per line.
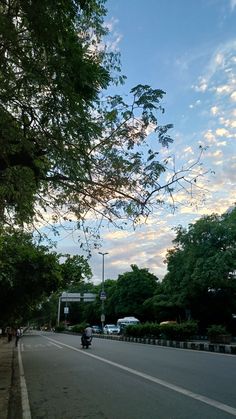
<point x="32" y="276"/>
<point x="65" y="147"/>
<point x="28" y="273"/>
<point x="127" y="295"/>
<point x="201" y="278"/>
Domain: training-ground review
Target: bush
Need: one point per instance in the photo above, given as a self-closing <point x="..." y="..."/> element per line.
<point x="217" y="333"/>
<point x="171" y="331"/>
<point x="60" y="328"/>
<point x="179" y="331"/>
<point x="216" y="330"/>
<point x="143" y="330"/>
<point x="78" y="328"/>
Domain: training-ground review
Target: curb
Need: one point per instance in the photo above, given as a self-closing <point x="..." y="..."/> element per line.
<point x="198" y="346"/>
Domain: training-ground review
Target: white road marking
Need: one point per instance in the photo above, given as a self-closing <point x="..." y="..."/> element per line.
<point x="166" y="384"/>
<point x="26" y="414"/>
<point x="55" y="344"/>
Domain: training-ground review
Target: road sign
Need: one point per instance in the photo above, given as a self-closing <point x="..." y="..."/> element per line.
<point x="102" y="318"/>
<point x="103" y="295"/>
<point x="66" y="310"/>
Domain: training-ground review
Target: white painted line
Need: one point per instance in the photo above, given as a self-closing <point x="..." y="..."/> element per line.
<point x="22" y="348"/>
<point x="55" y="344"/>
<point x="26" y="414"/>
<point x="166" y="384"/>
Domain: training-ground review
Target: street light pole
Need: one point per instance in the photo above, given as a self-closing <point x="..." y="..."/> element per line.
<point x="102" y="296"/>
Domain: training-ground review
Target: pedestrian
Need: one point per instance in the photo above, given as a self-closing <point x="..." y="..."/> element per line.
<point x="18" y="334"/>
<point x="9" y="333"/>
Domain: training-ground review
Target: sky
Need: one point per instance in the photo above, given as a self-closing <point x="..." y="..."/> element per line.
<point x="188" y="49"/>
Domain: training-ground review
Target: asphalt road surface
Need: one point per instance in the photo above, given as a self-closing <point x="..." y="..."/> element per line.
<point x="121" y="380"/>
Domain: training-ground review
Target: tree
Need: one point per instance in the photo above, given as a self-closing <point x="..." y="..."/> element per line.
<point x="201" y="269"/>
<point x="131" y="290"/>
<point x="48" y="79"/>
<point x="75" y="270"/>
<point x="28" y="273"/>
<point x="64" y="146"/>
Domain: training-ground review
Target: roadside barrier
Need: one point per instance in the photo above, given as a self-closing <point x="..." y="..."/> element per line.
<point x="198" y="346"/>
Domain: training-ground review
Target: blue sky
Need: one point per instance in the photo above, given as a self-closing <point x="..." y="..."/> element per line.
<point x="188" y="49"/>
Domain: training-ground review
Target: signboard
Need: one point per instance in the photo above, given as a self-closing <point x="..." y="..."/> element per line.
<point x="76" y="296"/>
<point x="103" y="295"/>
<point x="66" y="310"/>
<point x="102" y="318"/>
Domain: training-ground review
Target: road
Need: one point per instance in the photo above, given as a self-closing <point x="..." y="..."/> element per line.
<point x="114" y="380"/>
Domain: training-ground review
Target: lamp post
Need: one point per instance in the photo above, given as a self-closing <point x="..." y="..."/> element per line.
<point x="103" y="296"/>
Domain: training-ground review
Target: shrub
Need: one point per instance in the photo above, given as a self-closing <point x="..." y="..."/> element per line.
<point x="216" y="330"/>
<point x="78" y="328"/>
<point x="218" y="334"/>
<point x="171" y="331"/>
<point x="143" y="330"/>
<point x="60" y="328"/>
<point x="179" y="331"/>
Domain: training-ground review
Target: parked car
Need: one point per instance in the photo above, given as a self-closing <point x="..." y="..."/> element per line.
<point x="96" y="329"/>
<point x="111" y="329"/>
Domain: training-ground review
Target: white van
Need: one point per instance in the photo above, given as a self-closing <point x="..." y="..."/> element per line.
<point x="126" y="321"/>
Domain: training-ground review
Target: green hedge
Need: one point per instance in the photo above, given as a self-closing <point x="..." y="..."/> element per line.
<point x="179" y="331"/>
<point x="171" y="331"/>
<point x="78" y="328"/>
<point x="60" y="328"/>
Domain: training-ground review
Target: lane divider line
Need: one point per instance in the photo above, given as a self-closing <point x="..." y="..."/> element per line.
<point x="211" y="402"/>
<point x="55" y="344"/>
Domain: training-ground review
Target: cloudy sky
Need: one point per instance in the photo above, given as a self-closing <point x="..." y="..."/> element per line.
<point x="188" y="49"/>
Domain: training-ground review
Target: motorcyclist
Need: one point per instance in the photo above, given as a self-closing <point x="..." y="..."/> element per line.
<point x="86" y="337"/>
<point x="88" y="332"/>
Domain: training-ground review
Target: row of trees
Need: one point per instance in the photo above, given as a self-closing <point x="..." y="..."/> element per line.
<point x="200" y="283"/>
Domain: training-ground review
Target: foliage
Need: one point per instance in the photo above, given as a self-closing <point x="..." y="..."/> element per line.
<point x="74" y="271"/>
<point x="178" y="331"/>
<point x="143" y="330"/>
<point x="48" y="78"/>
<point x="130" y="291"/>
<point x="79" y="328"/>
<point x="60" y="328"/>
<point x="200" y="281"/>
<point x="45" y="313"/>
<point x="215" y="330"/>
<point x="29" y="272"/>
<point x="64" y="146"/>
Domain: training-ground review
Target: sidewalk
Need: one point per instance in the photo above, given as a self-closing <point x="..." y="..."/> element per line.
<point x="6" y="361"/>
<point x="10" y="406"/>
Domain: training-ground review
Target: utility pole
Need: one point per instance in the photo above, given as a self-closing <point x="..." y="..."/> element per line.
<point x="102" y="294"/>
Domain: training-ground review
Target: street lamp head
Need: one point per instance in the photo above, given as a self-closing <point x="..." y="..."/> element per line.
<point x="103" y="254"/>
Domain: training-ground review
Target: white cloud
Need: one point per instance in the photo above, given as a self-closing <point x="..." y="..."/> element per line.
<point x="233" y="96"/>
<point x="210" y="137"/>
<point x="202" y="85"/>
<point x="214" y="110"/>
<point x="222" y="132"/>
<point x="223" y="89"/>
<point x="232" y="4"/>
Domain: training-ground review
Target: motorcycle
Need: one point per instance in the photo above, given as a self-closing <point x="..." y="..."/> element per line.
<point x="86" y="341"/>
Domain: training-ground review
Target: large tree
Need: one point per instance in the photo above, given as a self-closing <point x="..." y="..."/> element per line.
<point x="130" y="292"/>
<point x="201" y="275"/>
<point x="28" y="273"/>
<point x="63" y="145"/>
